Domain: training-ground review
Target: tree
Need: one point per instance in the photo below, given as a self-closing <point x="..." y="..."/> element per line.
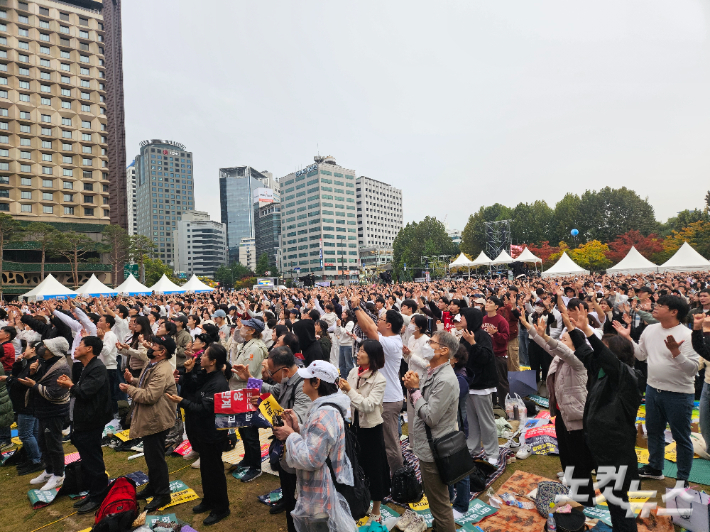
<point x="591" y="255"/>
<point x="697" y="234"/>
<point x="154" y="270"/>
<point x="568" y="216"/>
<point x="473" y="236"/>
<point x="228" y="275"/>
<point x="262" y="264"/>
<point x="544" y="252"/>
<point x="531" y="222"/>
<point x="73" y="246"/>
<point x="44" y="234"/>
<point x="140" y="247"/>
<point x="649" y="246"/>
<point x="117" y="243"/>
<point x="10" y="231"/>
<point x="611" y="212"/>
<point x="683" y="220"/>
<point x="415" y="240"/>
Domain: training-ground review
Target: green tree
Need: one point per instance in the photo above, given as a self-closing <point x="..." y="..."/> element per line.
<point x="567" y="217"/>
<point x="44" y="234"/>
<point x="473" y="236"/>
<point x="154" y="270"/>
<point x="684" y="219"/>
<point x="262" y="264"/>
<point x="117" y="243"/>
<point x="591" y="256"/>
<point x="530" y="222"/>
<point x="230" y="274"/>
<point x="426" y="238"/>
<point x="10" y="231"/>
<point x="140" y="247"/>
<point x="611" y="212"/>
<point x="73" y="246"/>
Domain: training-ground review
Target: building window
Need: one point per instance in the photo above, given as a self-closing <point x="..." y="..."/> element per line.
<point x="87" y="162"/>
<point x="25" y="155"/>
<point x="25" y="141"/>
<point x="64" y="54"/>
<point x="65" y="79"/>
<point x="88" y="211"/>
<point x="26" y="208"/>
<point x="85" y="108"/>
<point x="69" y="210"/>
<point x="45" y="101"/>
<point x="87" y="174"/>
<point x="67" y="172"/>
<point x="26" y="194"/>
<point x="68" y="185"/>
<point x="47" y="209"/>
<point x="65" y="92"/>
<point x="44" y="37"/>
<point x="85" y="83"/>
<point x="45" y="88"/>
<point x="47" y="170"/>
<point x="64" y="29"/>
<point x="66" y="104"/>
<point x="84" y="58"/>
<point x="68" y="197"/>
<point x="22" y="57"/>
<point x="47" y="196"/>
<point x="46" y="118"/>
<point x="65" y="67"/>
<point x="89" y="186"/>
<point x="47" y="183"/>
<point x="86" y="124"/>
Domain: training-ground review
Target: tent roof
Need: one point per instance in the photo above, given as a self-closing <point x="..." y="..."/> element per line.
<point x="503" y="258"/>
<point x="527" y="256"/>
<point x="49" y="288"/>
<point x="633" y="262"/>
<point x="166" y="286"/>
<point x="94" y="287"/>
<point x="686" y="259"/>
<point x="564" y="267"/>
<point x="461" y="261"/>
<point x="195" y="285"/>
<point x="481" y="260"/>
<point x="132" y="286"/>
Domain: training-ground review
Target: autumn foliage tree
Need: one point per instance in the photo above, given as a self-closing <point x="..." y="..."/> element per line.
<point x="544" y="251"/>
<point x="591" y="255"/>
<point x="649" y="246"/>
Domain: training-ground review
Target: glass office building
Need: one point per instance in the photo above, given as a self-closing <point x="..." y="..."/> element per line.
<point x="164" y="190"/>
<point x="267" y="230"/>
<point x="236" y="190"/>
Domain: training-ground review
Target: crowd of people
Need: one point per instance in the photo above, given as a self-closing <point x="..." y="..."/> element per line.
<point x="361" y="359"/>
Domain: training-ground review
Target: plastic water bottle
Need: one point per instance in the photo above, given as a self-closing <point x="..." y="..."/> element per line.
<point x="551" y="526"/>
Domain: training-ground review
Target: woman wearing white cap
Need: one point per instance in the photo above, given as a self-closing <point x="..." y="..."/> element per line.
<point x="320" y="507"/>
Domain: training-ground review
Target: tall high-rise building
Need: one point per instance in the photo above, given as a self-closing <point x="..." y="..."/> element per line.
<point x="318" y="222"/>
<point x="131" y="199"/>
<point x="165" y="190"/>
<point x="267" y="230"/>
<point x="379" y="212"/>
<point x="200" y="244"/>
<point x="236" y="196"/>
<point x="62" y="139"/>
<point x="247" y="253"/>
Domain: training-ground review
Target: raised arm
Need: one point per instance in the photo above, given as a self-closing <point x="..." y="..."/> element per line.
<point x="368" y="327"/>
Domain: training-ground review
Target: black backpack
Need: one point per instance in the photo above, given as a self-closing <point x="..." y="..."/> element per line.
<point x="406" y="487"/>
<point x="358" y="495"/>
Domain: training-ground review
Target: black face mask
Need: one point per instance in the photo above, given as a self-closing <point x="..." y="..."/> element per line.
<point x="150" y="354"/>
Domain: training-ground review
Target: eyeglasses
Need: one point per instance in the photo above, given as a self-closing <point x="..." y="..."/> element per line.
<point x="272" y="373"/>
<point x="433" y="342"/>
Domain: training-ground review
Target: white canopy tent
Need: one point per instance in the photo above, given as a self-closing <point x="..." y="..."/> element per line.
<point x="132" y="287"/>
<point x="632" y="263"/>
<point x="166" y="286"/>
<point x="565" y="267"/>
<point x="196" y="286"/>
<point x="462" y="262"/>
<point x="527" y="256"/>
<point x="503" y="258"/>
<point x="686" y="259"/>
<point x="481" y="260"/>
<point x="95" y="288"/>
<point x="49" y="288"/>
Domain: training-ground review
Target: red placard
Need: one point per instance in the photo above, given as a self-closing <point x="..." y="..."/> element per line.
<point x="235" y="401"/>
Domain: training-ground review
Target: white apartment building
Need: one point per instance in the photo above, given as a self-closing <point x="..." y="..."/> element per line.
<point x="131" y="199"/>
<point x="200" y="244"/>
<point x="379" y="217"/>
<point x="247" y="253"/>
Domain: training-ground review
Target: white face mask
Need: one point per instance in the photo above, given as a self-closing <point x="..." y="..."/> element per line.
<point x="427" y="352"/>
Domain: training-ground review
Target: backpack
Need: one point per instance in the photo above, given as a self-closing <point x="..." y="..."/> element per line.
<point x="357" y="495"/>
<point x="119" y="509"/>
<point x="406" y="487"/>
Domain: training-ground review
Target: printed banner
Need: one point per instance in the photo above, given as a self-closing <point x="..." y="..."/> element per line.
<point x="271" y="498"/>
<point x="151" y="521"/>
<point x="123" y="435"/>
<point x="540" y="401"/>
<point x="599" y="512"/>
<point x="247" y="419"/>
<point x="477" y="510"/>
<point x="543" y="440"/>
<point x="235" y="401"/>
<point x="184" y="448"/>
<point x="41" y="498"/>
<point x="270" y="407"/>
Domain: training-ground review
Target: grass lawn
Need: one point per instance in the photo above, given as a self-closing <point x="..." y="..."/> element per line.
<point x="248" y="514"/>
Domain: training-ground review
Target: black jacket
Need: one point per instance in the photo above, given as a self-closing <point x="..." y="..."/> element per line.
<point x="701" y="344"/>
<point x="311" y="350"/>
<point x="199" y="411"/>
<point x="92" y="405"/>
<point x="481" y="366"/>
<point x="54" y="328"/>
<point x="20" y="370"/>
<point x="612" y="404"/>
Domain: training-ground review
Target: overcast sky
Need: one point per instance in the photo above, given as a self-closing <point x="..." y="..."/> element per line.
<point x="459" y="104"/>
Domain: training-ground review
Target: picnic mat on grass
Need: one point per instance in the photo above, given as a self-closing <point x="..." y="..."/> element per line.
<point x="699" y="473"/>
<point x="411" y="459"/>
<point x="511" y="518"/>
<point x="235" y="455"/>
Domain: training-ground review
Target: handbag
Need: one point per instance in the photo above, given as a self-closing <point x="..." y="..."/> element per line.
<point x="406" y="487"/>
<point x="453" y="461"/>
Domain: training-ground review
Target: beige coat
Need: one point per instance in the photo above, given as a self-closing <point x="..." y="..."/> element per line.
<point x="250" y="354"/>
<point x="366" y="394"/>
<point x="153" y="412"/>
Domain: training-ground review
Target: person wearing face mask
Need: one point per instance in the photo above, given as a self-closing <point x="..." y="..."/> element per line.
<point x="567" y="386"/>
<point x="251" y="353"/>
<point x="153" y="416"/>
<point x="282" y="368"/>
<point x="209" y="442"/>
<point x="482" y="381"/>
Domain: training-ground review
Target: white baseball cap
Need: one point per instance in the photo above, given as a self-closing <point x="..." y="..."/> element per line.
<point x="320" y="369"/>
